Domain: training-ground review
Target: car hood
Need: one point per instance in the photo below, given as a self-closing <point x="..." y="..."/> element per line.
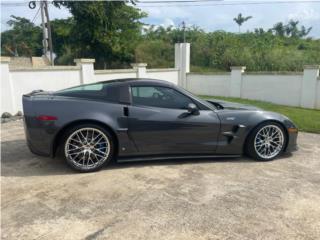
<point x="236" y="113"/>
<point x="221" y="104"/>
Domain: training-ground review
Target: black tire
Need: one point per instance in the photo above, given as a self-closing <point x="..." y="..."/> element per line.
<point x="250" y="149"/>
<point x="98" y="166"/>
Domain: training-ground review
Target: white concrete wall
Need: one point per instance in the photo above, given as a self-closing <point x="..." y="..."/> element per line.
<point x="105" y="75"/>
<point x="182" y="61"/>
<point x="168" y="74"/>
<point x="287" y="88"/>
<point x="318" y="94"/>
<point x="16" y="82"/>
<point x="293" y="89"/>
<point x="209" y="84"/>
<point x="51" y="79"/>
<point x="236" y="81"/>
<point x="6" y="86"/>
<point x="309" y="86"/>
<point x="280" y="89"/>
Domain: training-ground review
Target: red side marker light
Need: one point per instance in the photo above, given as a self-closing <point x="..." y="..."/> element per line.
<point x="46" y="118"/>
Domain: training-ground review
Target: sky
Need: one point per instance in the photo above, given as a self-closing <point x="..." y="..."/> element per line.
<point x="209" y="17"/>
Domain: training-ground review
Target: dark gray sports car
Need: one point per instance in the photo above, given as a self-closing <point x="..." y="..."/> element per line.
<point x="142" y="119"/>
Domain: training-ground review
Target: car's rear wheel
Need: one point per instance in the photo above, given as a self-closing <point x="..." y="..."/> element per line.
<point x="266" y="142"/>
<point x="88" y="147"/>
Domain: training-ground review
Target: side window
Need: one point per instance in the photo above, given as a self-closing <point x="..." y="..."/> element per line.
<point x="89" y="87"/>
<point x="97" y="91"/>
<point x="162" y="97"/>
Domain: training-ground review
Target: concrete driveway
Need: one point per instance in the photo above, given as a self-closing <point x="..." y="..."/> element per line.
<point x="212" y="199"/>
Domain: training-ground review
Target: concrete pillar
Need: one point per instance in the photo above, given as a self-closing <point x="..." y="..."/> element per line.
<point x="87" y="70"/>
<point x="236" y="81"/>
<point x="182" y="62"/>
<point x="8" y="103"/>
<point x="309" y="86"/>
<point x="141" y="69"/>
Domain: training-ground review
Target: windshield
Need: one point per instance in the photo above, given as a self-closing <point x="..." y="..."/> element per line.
<point x="204" y="102"/>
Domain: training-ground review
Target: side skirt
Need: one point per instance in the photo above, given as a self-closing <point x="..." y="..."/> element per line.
<point x="173" y="157"/>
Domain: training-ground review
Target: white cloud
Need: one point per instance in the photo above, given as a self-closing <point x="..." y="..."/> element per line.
<point x="171" y="12"/>
<point x="167" y="23"/>
<point x="209" y="18"/>
<point x="212" y="18"/>
<point x="306" y="14"/>
<point x="25" y="11"/>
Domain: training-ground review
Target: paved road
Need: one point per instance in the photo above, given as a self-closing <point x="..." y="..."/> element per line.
<point x="213" y="199"/>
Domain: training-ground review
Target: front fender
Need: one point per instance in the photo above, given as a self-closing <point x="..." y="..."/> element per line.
<point x="236" y="125"/>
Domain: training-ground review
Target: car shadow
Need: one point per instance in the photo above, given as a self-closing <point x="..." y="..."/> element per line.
<point x="18" y="161"/>
<point x="193" y="161"/>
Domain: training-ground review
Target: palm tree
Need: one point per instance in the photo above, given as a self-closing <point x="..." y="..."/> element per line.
<point x="304" y="31"/>
<point x="279" y="29"/>
<point x="240" y="20"/>
<point x="292" y="28"/>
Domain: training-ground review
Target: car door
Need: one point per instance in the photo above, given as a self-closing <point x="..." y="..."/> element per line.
<point x="158" y="123"/>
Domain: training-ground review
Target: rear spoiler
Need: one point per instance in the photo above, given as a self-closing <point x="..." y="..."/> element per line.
<point x="33" y="93"/>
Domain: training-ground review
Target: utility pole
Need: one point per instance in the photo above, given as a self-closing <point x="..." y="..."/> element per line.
<point x="184" y="31"/>
<point x="46" y="29"/>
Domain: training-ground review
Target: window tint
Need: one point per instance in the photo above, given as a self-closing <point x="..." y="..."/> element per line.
<point x="96" y="91"/>
<point x="90" y="87"/>
<point x="159" y="97"/>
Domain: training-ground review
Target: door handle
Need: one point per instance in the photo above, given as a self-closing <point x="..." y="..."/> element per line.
<point x="126" y="111"/>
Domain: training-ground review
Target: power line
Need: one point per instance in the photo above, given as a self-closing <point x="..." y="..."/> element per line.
<point x="158" y="4"/>
<point x="13" y="4"/>
<point x="23" y="3"/>
<point x="35" y="16"/>
<point x="184" y="3"/>
<point x="181" y="1"/>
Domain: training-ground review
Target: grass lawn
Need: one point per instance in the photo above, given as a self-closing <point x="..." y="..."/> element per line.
<point x="307" y="120"/>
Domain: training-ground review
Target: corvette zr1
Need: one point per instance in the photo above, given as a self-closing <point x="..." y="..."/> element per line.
<point x="145" y="119"/>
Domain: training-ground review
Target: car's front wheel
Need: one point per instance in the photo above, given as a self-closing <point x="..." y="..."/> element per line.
<point x="266" y="142"/>
<point x="88" y="147"/>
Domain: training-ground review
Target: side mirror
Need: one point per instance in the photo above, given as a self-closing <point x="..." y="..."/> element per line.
<point x="193" y="109"/>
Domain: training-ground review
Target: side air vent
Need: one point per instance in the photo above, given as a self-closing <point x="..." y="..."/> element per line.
<point x="234" y="133"/>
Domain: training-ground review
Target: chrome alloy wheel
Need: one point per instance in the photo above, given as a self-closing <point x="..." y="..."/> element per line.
<point x="87" y="148"/>
<point x="269" y="141"/>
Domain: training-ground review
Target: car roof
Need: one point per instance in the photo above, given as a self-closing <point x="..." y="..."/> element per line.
<point x="140" y="81"/>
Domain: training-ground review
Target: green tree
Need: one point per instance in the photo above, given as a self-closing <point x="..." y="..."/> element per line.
<point x="293" y="30"/>
<point x="261" y="50"/>
<point x="104" y="30"/>
<point x="23" y="39"/>
<point x="279" y="29"/>
<point x="241" y="19"/>
<point x="62" y="41"/>
<point x="290" y="30"/>
<point x="114" y="44"/>
<point x="157" y="53"/>
<point x="304" y="31"/>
